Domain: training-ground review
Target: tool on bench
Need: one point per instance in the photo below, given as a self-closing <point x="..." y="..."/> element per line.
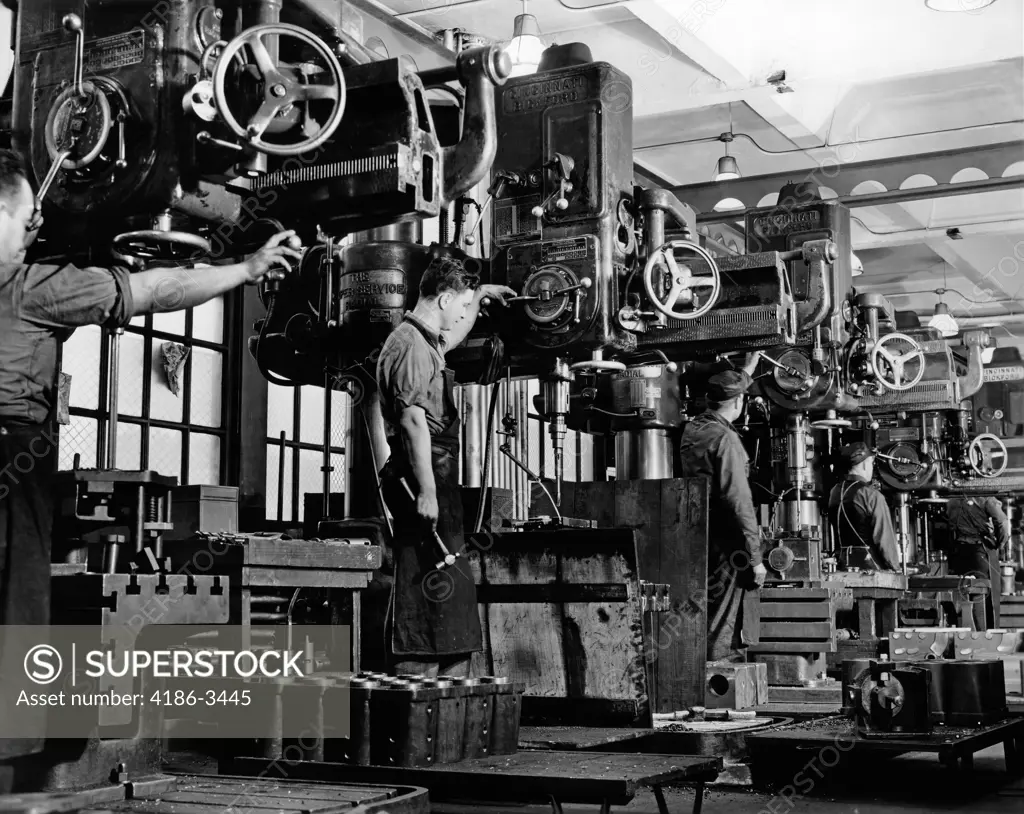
<point x="449" y="558"/>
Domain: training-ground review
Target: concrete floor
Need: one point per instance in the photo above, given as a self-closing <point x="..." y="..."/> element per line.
<point x="907" y="783"/>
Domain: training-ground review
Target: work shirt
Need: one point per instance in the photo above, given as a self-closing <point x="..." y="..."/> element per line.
<point x="712" y="448"/>
<point x="411" y="372"/>
<point x="972" y="521"/>
<point x="861" y="517"/>
<point x="40" y="307"/>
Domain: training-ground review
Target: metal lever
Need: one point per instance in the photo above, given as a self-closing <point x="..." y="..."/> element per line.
<point x="449" y="558"/>
<point x="501" y="179"/>
<point x="899" y="460"/>
<point x="54" y="169"/>
<point x="547" y="296"/>
<point x="73" y="24"/>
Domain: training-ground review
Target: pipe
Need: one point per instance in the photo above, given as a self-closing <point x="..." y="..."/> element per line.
<point x="112" y="404"/>
<point x="662" y="200"/>
<point x="467" y="163"/>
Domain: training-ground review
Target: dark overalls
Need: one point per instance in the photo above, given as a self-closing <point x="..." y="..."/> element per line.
<point x="434" y="615"/>
<point x="972" y="545"/>
<point x="864" y="529"/>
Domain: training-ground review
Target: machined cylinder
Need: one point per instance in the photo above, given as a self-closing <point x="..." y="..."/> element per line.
<point x="643" y="455"/>
<point x="474" y="433"/>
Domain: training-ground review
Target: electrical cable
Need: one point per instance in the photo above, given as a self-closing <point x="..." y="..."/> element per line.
<point x="270" y="377"/>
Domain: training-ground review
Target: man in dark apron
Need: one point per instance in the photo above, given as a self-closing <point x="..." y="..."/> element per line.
<point x="712" y="448"/>
<point x="434" y="621"/>
<point x="860" y="515"/>
<point x="40" y="307"/>
<point x="978" y="529"/>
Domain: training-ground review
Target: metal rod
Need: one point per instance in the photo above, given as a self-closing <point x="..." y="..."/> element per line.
<point x="325" y="508"/>
<point x="280" y="478"/>
<point x="113" y="394"/>
<point x="508" y="453"/>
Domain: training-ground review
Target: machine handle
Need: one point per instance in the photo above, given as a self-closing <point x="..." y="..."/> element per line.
<point x="449" y="558"/>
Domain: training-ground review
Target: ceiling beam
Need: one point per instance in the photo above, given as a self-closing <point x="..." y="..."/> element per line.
<point x="680" y="34"/>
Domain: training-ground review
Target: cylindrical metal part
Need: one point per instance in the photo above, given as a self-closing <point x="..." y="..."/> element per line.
<point x="796" y="514"/>
<point x="1008" y="578"/>
<point x="325" y="503"/>
<point x="643" y="455"/>
<point x="140" y="519"/>
<point x="641" y="391"/>
<point x="903" y="528"/>
<point x="407" y="230"/>
<point x="113" y="385"/>
<point x="474" y="434"/>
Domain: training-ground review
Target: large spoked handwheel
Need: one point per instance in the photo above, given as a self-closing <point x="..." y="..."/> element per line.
<point x="282" y="88"/>
<point x="890" y="358"/>
<point x="155" y="246"/>
<point x="679" y="282"/>
<point x="984" y="449"/>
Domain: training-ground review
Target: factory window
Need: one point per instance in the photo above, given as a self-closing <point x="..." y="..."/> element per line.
<point x="171" y="410"/>
<point x="295" y="422"/>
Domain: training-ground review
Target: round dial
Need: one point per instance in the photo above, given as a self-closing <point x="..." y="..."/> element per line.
<point x="905" y="471"/>
<point x="544" y="284"/>
<point x="789" y="382"/>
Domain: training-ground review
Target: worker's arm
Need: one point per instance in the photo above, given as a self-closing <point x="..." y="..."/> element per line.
<point x="416" y="438"/>
<point x="882" y="532"/>
<point x="999" y="521"/>
<point x="457" y="335"/>
<point x="173" y="289"/>
<point x="734" y="494"/>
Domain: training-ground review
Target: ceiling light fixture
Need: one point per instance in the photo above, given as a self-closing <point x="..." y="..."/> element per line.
<point x="727" y="169"/>
<point x="526" y="48"/>
<point x="987" y="355"/>
<point x="856" y="266"/>
<point x="958" y="5"/>
<point x="943" y="321"/>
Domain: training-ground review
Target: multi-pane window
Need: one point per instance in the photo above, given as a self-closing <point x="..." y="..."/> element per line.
<point x="295" y="422"/>
<point x="177" y="434"/>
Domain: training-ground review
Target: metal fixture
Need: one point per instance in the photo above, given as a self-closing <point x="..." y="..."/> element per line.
<point x="942" y="320"/>
<point x="727" y="168"/>
<point x="958" y="5"/>
<point x="526" y="47"/>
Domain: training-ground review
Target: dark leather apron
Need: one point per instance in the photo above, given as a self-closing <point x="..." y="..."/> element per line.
<point x="433" y="613"/>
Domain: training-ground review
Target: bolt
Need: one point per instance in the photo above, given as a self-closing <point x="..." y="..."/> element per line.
<point x="219" y="14"/>
<point x="278" y="90"/>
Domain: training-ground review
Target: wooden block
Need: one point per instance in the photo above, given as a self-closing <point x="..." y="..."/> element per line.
<point x="878" y="579"/>
<point x="795" y="610"/>
<point x="736" y="686"/>
<point x="795" y="630"/>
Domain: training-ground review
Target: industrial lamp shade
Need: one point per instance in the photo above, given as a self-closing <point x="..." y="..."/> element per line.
<point x="526" y="47"/>
<point x="856" y="266"/>
<point x="987" y="355"/>
<point x="958" y="5"/>
<point x="943" y="321"/>
<point x="727" y="169"/>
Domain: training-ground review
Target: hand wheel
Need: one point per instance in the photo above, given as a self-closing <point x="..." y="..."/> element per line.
<point x="890" y="364"/>
<point x="681" y="280"/>
<point x="281" y="88"/>
<point x="155" y="246"/>
<point x="976" y="455"/>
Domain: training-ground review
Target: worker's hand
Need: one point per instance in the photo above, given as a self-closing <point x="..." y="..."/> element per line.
<point x="492" y="293"/>
<point x="426" y="508"/>
<point x="274" y="258"/>
<point x="750" y="363"/>
<point x="760" y="574"/>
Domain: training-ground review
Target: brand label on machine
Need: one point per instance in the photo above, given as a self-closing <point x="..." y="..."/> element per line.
<point x="1013" y="373"/>
<point x="561" y="251"/>
<point x="785" y="223"/>
<point x="639" y="373"/>
<point x="118" y="51"/>
<point x="364" y="289"/>
<point x="533" y="96"/>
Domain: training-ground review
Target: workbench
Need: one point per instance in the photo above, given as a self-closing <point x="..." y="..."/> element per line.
<point x="205" y="794"/>
<point x="955" y="747"/>
<point x="271" y="562"/>
<point x="538" y="777"/>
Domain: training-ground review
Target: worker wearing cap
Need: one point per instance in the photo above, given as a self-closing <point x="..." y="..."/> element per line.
<point x="977" y="525"/>
<point x="711" y="448"/>
<point x="860" y="515"/>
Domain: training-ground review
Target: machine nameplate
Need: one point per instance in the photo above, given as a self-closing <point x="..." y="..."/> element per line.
<point x="380" y="315"/>
<point x="650" y="372"/>
<point x="119" y="51"/>
<point x="904" y="434"/>
<point x="561" y="251"/>
<point x="1013" y="373"/>
<point x="532" y="96"/>
<point x="785" y="223"/>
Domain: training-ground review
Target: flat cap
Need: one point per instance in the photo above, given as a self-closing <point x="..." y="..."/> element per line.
<point x="856" y="452"/>
<point x="728" y="384"/>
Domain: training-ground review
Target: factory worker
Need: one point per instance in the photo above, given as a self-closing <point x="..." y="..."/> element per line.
<point x="40" y="307"/>
<point x="434" y="621"/>
<point x="712" y="448"/>
<point x="860" y="516"/>
<point x="978" y="529"/>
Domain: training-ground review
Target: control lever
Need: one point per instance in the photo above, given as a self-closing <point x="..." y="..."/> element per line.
<point x="547" y="295"/>
<point x="563" y="166"/>
<point x="900" y="460"/>
<point x="73" y="24"/>
<point x="449" y="558"/>
<point x="501" y="179"/>
<point x="54" y="169"/>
